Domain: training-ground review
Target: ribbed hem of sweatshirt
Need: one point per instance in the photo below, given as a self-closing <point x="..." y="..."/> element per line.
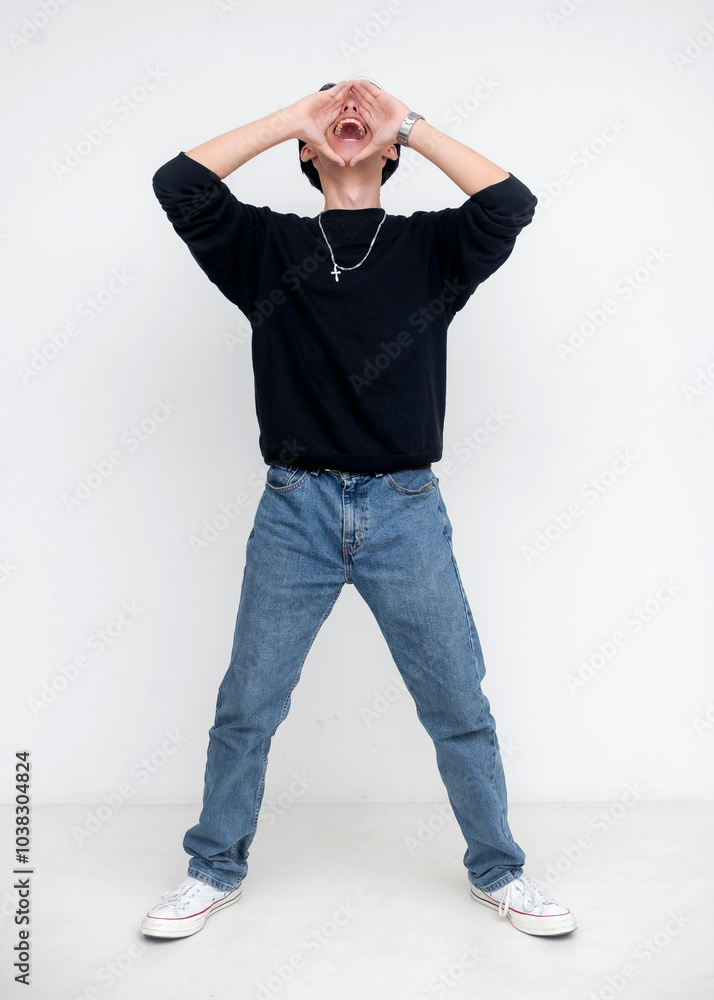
<point x="378" y="462"/>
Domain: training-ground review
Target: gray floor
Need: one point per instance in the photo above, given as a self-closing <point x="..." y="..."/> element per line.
<point x="367" y="901"/>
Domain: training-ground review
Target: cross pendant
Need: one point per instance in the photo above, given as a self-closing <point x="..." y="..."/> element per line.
<point x="336" y="273"/>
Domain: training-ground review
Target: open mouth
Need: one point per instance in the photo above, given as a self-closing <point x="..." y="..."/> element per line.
<point x="349" y="129"/>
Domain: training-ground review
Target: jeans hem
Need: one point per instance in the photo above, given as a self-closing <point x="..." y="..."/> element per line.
<point x="213" y="882"/>
<point x="499" y="884"/>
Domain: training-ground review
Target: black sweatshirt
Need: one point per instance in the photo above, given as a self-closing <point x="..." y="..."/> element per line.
<point x="349" y="374"/>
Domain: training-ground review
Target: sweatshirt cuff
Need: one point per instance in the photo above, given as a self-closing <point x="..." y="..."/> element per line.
<point x="183" y="169"/>
<point x="507" y="197"/>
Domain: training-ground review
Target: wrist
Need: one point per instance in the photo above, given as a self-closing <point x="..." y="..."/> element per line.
<point x="285" y="123"/>
<point x="424" y="138"/>
<point x="406" y="125"/>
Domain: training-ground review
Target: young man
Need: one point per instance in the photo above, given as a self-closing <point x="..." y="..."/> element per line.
<point x="349" y="312"/>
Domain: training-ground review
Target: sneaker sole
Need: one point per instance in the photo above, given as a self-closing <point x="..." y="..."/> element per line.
<point x="526" y="922"/>
<point x="178" y="927"/>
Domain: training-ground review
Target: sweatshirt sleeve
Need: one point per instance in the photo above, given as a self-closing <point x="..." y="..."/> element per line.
<point x="225" y="236"/>
<point x="475" y="239"/>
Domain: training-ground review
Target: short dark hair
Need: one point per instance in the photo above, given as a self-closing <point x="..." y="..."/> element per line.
<point x="310" y="170"/>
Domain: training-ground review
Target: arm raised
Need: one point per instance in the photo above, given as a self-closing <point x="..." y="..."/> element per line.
<point x="306" y="119"/>
<point x="467" y="168"/>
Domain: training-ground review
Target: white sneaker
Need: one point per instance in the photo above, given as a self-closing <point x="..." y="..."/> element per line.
<point x="184" y="909"/>
<point x="528" y="907"/>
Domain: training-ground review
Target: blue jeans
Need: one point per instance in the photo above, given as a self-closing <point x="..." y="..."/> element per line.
<point x="389" y="535"/>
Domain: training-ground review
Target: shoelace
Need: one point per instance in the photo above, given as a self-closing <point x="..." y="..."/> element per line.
<point x="183" y="890"/>
<point x="532" y="896"/>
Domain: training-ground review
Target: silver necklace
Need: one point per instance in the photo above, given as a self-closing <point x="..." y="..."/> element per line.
<point x="336" y="268"/>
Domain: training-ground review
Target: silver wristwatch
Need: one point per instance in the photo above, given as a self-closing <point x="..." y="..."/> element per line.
<point x="406" y="127"/>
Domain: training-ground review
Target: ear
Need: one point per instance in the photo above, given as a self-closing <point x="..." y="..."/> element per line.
<point x="390" y="152"/>
<point x="307" y="153"/>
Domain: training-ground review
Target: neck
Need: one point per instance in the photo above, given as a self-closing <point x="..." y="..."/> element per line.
<point x="351" y="195"/>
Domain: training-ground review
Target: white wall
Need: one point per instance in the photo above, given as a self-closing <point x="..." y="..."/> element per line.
<point x="555" y="86"/>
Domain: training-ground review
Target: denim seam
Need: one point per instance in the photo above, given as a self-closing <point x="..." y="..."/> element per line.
<point x="426" y="488"/>
<point x="289" y="487"/>
<point x="442" y="511"/>
<point x="360" y="526"/>
<point x="494" y="757"/>
<point x="463" y="595"/>
<point x="345" y="564"/>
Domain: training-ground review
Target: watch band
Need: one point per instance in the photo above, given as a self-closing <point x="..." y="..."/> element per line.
<point x="406" y="127"/>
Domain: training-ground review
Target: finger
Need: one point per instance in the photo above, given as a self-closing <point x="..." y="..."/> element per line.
<point x="330" y="154"/>
<point x="364" y="84"/>
<point x="335" y="94"/>
<point x="366" y="100"/>
<point x="359" y="87"/>
<point x="367" y="88"/>
<point x="339" y="90"/>
<point x="338" y="95"/>
<point x="361" y="155"/>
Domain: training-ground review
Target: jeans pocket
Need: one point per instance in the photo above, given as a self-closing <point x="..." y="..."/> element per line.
<point x="284" y="478"/>
<point x="411" y="482"/>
